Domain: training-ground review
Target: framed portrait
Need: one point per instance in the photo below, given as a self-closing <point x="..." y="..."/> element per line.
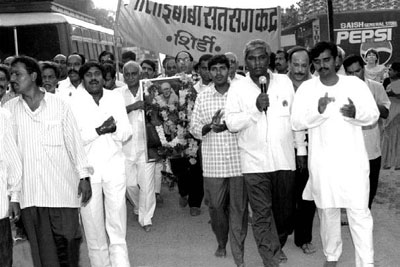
<point x="161" y="115"/>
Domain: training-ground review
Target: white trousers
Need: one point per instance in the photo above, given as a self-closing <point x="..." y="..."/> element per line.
<point x="157" y="176"/>
<point x="361" y="227"/>
<point x="140" y="188"/>
<point x="97" y="225"/>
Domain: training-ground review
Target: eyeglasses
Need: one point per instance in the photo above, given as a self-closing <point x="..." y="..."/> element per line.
<point x="183" y="60"/>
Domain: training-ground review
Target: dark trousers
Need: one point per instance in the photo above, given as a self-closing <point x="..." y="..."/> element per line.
<point x="283" y="203"/>
<point x="305" y="211"/>
<point x="259" y="191"/>
<point x="54" y="235"/>
<point x="374" y="169"/>
<point x="227" y="205"/>
<point x="190" y="180"/>
<point x="6" y="243"/>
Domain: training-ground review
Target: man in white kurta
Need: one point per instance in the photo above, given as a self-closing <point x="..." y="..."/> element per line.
<point x="104" y="126"/>
<point x="140" y="174"/>
<point x="333" y="108"/>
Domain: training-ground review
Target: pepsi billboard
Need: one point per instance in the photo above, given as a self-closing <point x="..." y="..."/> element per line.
<point x="357" y="32"/>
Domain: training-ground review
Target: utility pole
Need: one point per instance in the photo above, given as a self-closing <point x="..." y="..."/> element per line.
<point x="330" y="21"/>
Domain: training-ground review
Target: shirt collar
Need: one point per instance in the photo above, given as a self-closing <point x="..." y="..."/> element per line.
<point x="215" y="92"/>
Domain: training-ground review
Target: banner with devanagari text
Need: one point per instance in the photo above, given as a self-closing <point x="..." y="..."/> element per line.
<point x="169" y="28"/>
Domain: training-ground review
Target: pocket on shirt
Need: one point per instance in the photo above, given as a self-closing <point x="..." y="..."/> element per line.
<point x="283" y="108"/>
<point x="53" y="135"/>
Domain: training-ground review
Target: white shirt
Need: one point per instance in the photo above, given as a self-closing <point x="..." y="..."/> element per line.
<point x="52" y="152"/>
<point x="134" y="148"/>
<point x="10" y="165"/>
<point x="103" y="149"/>
<point x="372" y="136"/>
<point x="265" y="139"/>
<point x="337" y="158"/>
<point x="66" y="89"/>
<point x="200" y="86"/>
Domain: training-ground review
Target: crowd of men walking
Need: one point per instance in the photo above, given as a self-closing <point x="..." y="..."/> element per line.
<point x="277" y="143"/>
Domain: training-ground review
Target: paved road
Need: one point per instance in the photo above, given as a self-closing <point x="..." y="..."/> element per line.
<point x="179" y="240"/>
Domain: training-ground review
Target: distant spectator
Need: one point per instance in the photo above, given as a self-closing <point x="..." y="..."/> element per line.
<point x="281" y="61"/>
<point x="148" y="69"/>
<point x="169" y="66"/>
<point x="109" y="81"/>
<point x="50" y="76"/>
<point x="106" y="55"/>
<point x="61" y="60"/>
<point x="127" y="56"/>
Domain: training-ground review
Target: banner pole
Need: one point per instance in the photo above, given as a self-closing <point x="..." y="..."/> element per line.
<point x="116" y="35"/>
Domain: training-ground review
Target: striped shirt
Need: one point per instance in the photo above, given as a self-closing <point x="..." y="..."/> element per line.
<point x="220" y="151"/>
<point x="52" y="152"/>
<point x="10" y="165"/>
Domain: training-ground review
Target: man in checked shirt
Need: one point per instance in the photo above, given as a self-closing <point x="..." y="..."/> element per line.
<point x="223" y="181"/>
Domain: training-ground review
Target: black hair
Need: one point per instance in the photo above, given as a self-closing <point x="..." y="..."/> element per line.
<point x="51" y="65"/>
<point x="285" y="54"/>
<point x="320" y="47"/>
<point x="109" y="68"/>
<point x="85" y="68"/>
<point x="6" y="70"/>
<point x="205" y="57"/>
<point x="351" y="59"/>
<point x="149" y="62"/>
<point x="106" y="53"/>
<point x="219" y="59"/>
<point x="31" y="66"/>
<point x="166" y="59"/>
<point x="129" y="55"/>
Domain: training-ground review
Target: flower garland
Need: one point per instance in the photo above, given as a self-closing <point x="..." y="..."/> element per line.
<point x="174" y="132"/>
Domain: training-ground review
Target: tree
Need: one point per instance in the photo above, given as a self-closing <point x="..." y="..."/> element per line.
<point x="290" y="17"/>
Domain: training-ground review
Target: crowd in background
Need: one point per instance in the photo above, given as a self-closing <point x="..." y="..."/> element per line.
<point x="290" y="135"/>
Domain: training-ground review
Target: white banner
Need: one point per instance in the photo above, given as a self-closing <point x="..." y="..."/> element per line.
<point x="169" y="28"/>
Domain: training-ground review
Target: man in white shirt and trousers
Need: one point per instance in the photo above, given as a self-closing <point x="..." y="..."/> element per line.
<point x="258" y="108"/>
<point x="334" y="108"/>
<point x="140" y="174"/>
<point x="10" y="181"/>
<point x="104" y="126"/>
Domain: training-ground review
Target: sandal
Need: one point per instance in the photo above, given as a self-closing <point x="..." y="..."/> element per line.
<point x="308" y="248"/>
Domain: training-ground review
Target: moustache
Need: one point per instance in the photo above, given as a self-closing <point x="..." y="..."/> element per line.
<point x="322" y="69"/>
<point x="72" y="71"/>
<point x="299" y="73"/>
<point x="93" y="82"/>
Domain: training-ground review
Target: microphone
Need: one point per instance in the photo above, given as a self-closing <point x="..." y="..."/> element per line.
<point x="263" y="84"/>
